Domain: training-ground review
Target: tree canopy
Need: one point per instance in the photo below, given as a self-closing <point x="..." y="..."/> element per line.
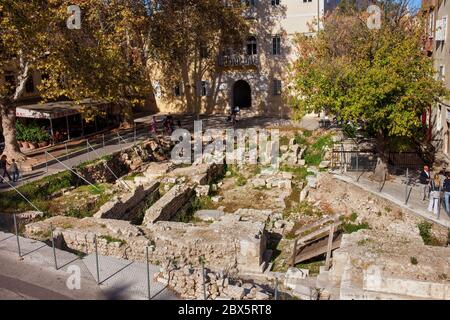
<point x="379" y="77"/>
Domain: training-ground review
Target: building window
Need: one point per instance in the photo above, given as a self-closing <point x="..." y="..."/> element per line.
<point x="275" y="2"/>
<point x="29" y="85"/>
<point x="178" y="90"/>
<point x="276" y="87"/>
<point x="203" y="51"/>
<point x="251" y="46"/>
<point x="204" y="88"/>
<point x="276" y="45"/>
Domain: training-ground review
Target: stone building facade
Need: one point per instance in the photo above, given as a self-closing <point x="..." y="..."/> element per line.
<point x="255" y="78"/>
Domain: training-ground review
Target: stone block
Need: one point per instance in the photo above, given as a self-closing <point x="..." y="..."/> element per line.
<point x="312" y="181"/>
<point x="235" y="292"/>
<point x="209" y="215"/>
<point x="169" y="204"/>
<point x="202" y="190"/>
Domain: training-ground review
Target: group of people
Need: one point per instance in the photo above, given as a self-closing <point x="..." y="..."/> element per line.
<point x="168" y="124"/>
<point x="433" y="187"/>
<point x="4" y="163"/>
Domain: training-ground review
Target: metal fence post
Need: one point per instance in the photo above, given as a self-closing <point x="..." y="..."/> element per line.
<point x="53" y="246"/>
<point x="203" y="277"/>
<point x="103" y="141"/>
<point x="17" y="234"/>
<point x="67" y="151"/>
<point x="87" y="150"/>
<point x="148" y="274"/>
<point x="276" y="288"/>
<point x="96" y="259"/>
<point x="357" y="160"/>
<point x="46" y="162"/>
<point x="134" y="133"/>
<point x="406" y="187"/>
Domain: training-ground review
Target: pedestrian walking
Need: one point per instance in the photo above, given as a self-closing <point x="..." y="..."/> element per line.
<point x="14" y="171"/>
<point x="3" y="168"/>
<point x="424" y="180"/>
<point x="447" y="193"/>
<point x="435" y="195"/>
<point x="154" y="125"/>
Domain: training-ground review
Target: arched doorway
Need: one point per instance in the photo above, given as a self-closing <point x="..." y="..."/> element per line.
<point x="242" y="94"/>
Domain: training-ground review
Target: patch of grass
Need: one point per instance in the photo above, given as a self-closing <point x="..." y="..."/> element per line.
<point x="78" y="213"/>
<point x="98" y="189"/>
<point x="38" y="192"/>
<point x="299" y="173"/>
<point x="413" y="260"/>
<point x="353" y="216"/>
<point x="241" y="181"/>
<point x="67" y="226"/>
<point x="110" y="239"/>
<point x="348" y="225"/>
<point x="353" y="227"/>
<point x="427" y="236"/>
<point x="304" y="208"/>
<point x="322" y="142"/>
<point x="313" y="267"/>
<point x="132" y="175"/>
<point x="198" y="203"/>
<point x="312" y="158"/>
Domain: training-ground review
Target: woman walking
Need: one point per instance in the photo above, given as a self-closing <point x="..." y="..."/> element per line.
<point x="435" y="195"/>
<point x="3" y="168"/>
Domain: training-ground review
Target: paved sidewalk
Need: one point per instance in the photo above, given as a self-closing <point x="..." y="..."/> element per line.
<point x="70" y="162"/>
<point x="395" y="191"/>
<point x="34" y="276"/>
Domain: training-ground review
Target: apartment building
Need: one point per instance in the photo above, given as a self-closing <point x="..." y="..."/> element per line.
<point x="437" y="46"/>
<point x="254" y="78"/>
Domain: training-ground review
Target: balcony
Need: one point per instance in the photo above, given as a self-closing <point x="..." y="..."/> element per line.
<point x="238" y="60"/>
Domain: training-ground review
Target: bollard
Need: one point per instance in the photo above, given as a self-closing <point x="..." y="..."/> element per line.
<point x="53" y="246"/>
<point x="96" y="259"/>
<point x="17" y="234"/>
<point x="148" y="274"/>
<point x="276" y="288"/>
<point x="134" y="133"/>
<point x="103" y="141"/>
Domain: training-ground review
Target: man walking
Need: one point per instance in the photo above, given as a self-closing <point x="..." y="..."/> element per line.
<point x="14" y="171"/>
<point x="424" y="180"/>
<point x="447" y="193"/>
<point x="3" y="167"/>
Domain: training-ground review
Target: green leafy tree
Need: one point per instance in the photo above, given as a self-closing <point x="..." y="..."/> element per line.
<point x="378" y="77"/>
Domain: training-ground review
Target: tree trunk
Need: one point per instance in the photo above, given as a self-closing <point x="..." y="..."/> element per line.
<point x="188" y="89"/>
<point x="127" y="114"/>
<point x="12" y="150"/>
